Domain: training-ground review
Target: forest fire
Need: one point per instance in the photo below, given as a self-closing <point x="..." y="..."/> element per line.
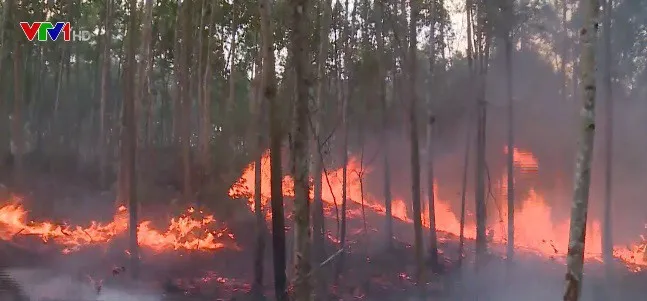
<point x="535" y="229"/>
<point x="184" y="232"/>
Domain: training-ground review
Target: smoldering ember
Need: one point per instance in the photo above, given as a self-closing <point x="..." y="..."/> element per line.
<point x="323" y="150"/>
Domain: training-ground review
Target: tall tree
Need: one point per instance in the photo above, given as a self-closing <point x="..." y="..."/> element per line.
<point x="276" y="173"/>
<point x="564" y="51"/>
<point x="318" y="240"/>
<point x="301" y="59"/>
<point x="384" y="136"/>
<point x="145" y="68"/>
<point x="129" y="137"/>
<point x="508" y="14"/>
<point x="261" y="231"/>
<point x="4" y="50"/>
<point x="17" y="139"/>
<point x="206" y="127"/>
<point x="607" y="238"/>
<point x="579" y="209"/>
<point x="186" y="102"/>
<point x="414" y="140"/>
<point x="481" y="34"/>
<point x="106" y="60"/>
<point x="433" y="241"/>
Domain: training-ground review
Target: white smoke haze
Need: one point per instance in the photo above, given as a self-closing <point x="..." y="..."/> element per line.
<point x="40" y="284"/>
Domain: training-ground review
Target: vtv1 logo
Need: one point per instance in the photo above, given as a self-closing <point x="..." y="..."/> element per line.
<point x="52" y="31"/>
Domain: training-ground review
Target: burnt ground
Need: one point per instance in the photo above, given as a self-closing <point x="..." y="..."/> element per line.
<point x="371" y="272"/>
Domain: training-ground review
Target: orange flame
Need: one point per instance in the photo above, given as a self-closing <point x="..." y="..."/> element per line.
<point x="184" y="232"/>
<point x="549" y="239"/>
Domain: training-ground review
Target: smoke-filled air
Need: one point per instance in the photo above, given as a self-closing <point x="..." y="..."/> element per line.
<point x="300" y="150"/>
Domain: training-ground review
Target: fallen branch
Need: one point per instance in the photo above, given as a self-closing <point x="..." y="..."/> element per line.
<point x="323" y="263"/>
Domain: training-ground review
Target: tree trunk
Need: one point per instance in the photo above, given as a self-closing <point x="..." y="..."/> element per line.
<point x="232" y="63"/>
<point x="466" y="159"/>
<point x="433" y="241"/>
<point x="276" y="135"/>
<point x="299" y="48"/>
<point x="105" y="78"/>
<point x="186" y="100"/>
<point x="415" y="151"/>
<point x="345" y="103"/>
<point x="206" y="127"/>
<point x="607" y="237"/>
<point x="145" y="73"/>
<point x="4" y="108"/>
<point x="261" y="230"/>
<point x="481" y="109"/>
<point x="318" y="240"/>
<point x="17" y="120"/>
<point x="384" y="136"/>
<point x="564" y="54"/>
<point x="129" y="142"/>
<point x="575" y="258"/>
<point x="508" y="13"/>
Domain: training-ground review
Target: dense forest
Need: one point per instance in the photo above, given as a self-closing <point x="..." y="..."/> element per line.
<point x="323" y="150"/>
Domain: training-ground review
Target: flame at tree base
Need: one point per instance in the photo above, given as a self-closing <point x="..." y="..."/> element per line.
<point x="535" y="230"/>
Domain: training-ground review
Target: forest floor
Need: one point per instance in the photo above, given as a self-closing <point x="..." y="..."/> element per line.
<point x="370" y="272"/>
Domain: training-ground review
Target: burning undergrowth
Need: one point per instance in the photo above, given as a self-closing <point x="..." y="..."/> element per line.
<point x="194" y="254"/>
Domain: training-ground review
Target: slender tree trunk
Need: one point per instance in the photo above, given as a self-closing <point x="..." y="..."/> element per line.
<point x="299" y="49"/>
<point x="186" y="100"/>
<point x="143" y="89"/>
<point x="607" y="237"/>
<point x="579" y="210"/>
<point x="466" y="159"/>
<point x="232" y="61"/>
<point x="508" y="7"/>
<point x="105" y="78"/>
<point x="345" y="103"/>
<point x="415" y="151"/>
<point x="129" y="142"/>
<point x="17" y="118"/>
<point x="318" y="240"/>
<point x="4" y="108"/>
<point x="564" y="54"/>
<point x="479" y="197"/>
<point x="276" y="135"/>
<point x="261" y="230"/>
<point x="433" y="241"/>
<point x="384" y="136"/>
<point x="206" y="127"/>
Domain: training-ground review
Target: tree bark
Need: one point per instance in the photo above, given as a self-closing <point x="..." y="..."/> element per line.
<point x="579" y="209"/>
<point x="129" y="142"/>
<point x="508" y="15"/>
<point x="413" y="136"/>
<point x="105" y="78"/>
<point x="433" y="241"/>
<point x="17" y="138"/>
<point x="318" y="240"/>
<point x="466" y="159"/>
<point x="145" y="73"/>
<point x="5" y="140"/>
<point x="261" y="230"/>
<point x="299" y="48"/>
<point x="206" y="127"/>
<point x="276" y="135"/>
<point x="607" y="237"/>
<point x="384" y="136"/>
<point x="185" y="100"/>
